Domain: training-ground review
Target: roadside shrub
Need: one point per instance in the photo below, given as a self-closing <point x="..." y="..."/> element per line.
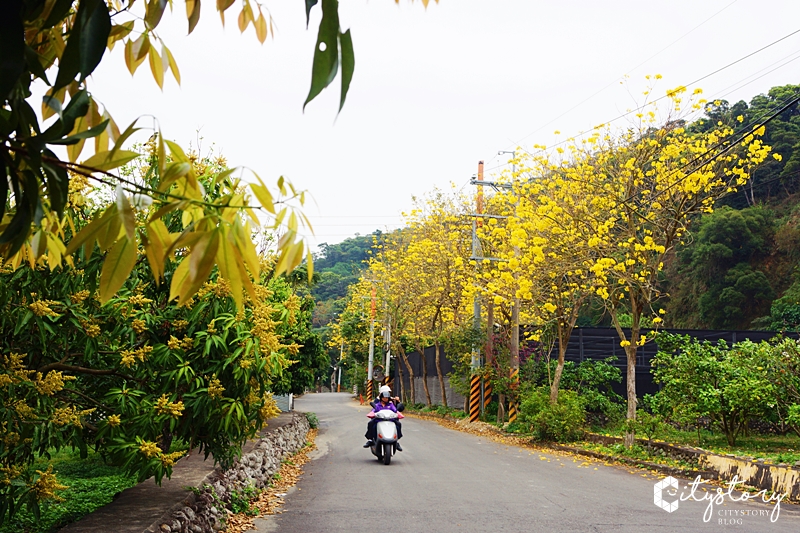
<point x="313" y="421"/>
<point x="560" y="422"/>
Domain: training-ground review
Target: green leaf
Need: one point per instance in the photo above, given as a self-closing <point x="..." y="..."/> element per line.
<point x="12" y="45"/>
<point x="57" y="183"/>
<point x="85" y="134"/>
<point x="4" y="188"/>
<point x="348" y="64"/>
<point x="326" y="53"/>
<point x="309" y="5"/>
<point x="117" y="267"/>
<point x="130" y="130"/>
<point x="154" y="12"/>
<point x="192" y="13"/>
<point x="86" y="43"/>
<point x="94" y="38"/>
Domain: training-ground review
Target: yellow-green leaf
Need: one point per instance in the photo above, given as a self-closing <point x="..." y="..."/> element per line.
<point x="110" y="159"/>
<point x="116" y="268"/>
<point x="226" y="261"/>
<point x="264" y="196"/>
<point x="126" y="215"/>
<point x="173" y="65"/>
<point x="261" y="27"/>
<point x="180" y="278"/>
<point x="156" y="67"/>
<point x="90" y="232"/>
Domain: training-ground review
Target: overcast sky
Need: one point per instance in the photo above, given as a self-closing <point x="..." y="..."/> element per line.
<point x="437" y="90"/>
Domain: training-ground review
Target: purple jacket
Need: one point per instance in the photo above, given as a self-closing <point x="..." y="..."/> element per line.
<point x="389" y="405"/>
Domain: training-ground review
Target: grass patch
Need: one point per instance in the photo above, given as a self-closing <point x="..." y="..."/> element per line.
<point x="638" y="453"/>
<point x="775" y="448"/>
<point x="92" y="484"/>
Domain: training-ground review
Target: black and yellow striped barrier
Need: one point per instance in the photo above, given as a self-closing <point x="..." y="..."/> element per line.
<point x="487" y="394"/>
<point x="475" y="398"/>
<point x="512" y="407"/>
<point x="369" y="390"/>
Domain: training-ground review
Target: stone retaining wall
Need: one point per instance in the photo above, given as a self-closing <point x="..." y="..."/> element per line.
<point x="203" y="510"/>
<point x="758" y="473"/>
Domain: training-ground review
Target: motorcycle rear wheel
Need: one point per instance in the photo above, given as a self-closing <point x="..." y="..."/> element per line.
<point x="387" y="454"/>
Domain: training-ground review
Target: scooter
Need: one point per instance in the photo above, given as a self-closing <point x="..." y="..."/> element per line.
<point x="385" y="446"/>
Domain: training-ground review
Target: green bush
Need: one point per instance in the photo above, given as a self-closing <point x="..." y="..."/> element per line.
<point x="560" y="422"/>
<point x="313" y="421"/>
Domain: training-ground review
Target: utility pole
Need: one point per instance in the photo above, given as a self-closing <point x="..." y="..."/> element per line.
<point x="480" y="390"/>
<point x="476" y="383"/>
<point x="370" y="365"/>
<point x="388" y="340"/>
<point x="341" y="358"/>
<point x="514" y="348"/>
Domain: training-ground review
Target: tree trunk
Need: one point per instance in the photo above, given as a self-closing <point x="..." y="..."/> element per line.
<point x="412" y="385"/>
<point x="562" y="351"/>
<point x="630" y="352"/>
<point x="489" y="356"/>
<point x="400" y="389"/>
<point x="501" y="409"/>
<point x="421" y="352"/>
<point x="438" y="351"/>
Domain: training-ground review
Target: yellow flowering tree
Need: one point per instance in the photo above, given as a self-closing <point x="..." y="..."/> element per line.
<point x="132" y="373"/>
<point x="645" y="185"/>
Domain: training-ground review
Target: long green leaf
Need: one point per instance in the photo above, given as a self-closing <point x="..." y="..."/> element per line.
<point x="116" y="268"/>
<point x="348" y="64"/>
<point x="12" y="45"/>
<point x="94" y="38"/>
<point x="326" y="53"/>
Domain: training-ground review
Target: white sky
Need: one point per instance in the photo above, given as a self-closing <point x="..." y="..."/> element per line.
<point x="437" y="90"/>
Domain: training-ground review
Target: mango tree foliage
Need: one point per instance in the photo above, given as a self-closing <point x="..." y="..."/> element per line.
<point x="59" y="44"/>
<point x="131" y="372"/>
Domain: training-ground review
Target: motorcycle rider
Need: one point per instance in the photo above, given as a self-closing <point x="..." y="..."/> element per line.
<point x="385" y="401"/>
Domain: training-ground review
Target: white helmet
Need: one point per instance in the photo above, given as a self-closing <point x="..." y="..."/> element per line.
<point x="385" y="389"/>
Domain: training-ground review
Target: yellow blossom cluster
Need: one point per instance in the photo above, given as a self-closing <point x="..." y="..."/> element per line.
<point x="52" y="383"/>
<point x="114" y="420"/>
<point x="46" y="486"/>
<point x="138" y="325"/>
<point x="14" y="369"/>
<point x="215" y="388"/>
<point x="149" y="449"/>
<point x="164" y="406"/>
<point x="69" y="415"/>
<point x="139" y="300"/>
<point x="42" y="307"/>
<point x="269" y="409"/>
<point x="129" y="357"/>
<point x="90" y="328"/>
<point x="168" y="459"/>
<point x="79" y="297"/>
<point x="10" y="473"/>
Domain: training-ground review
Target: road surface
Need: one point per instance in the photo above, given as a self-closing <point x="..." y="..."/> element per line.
<point x="446" y="480"/>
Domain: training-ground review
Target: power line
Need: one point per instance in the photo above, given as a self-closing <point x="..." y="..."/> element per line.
<point x="629" y="112"/>
<point x="630" y="70"/>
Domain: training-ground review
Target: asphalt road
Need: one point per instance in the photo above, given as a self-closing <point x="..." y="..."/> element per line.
<point x="446" y="480"/>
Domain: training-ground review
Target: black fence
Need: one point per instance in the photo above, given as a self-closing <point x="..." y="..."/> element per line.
<point x="597" y="344"/>
<point x="594" y="344"/>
